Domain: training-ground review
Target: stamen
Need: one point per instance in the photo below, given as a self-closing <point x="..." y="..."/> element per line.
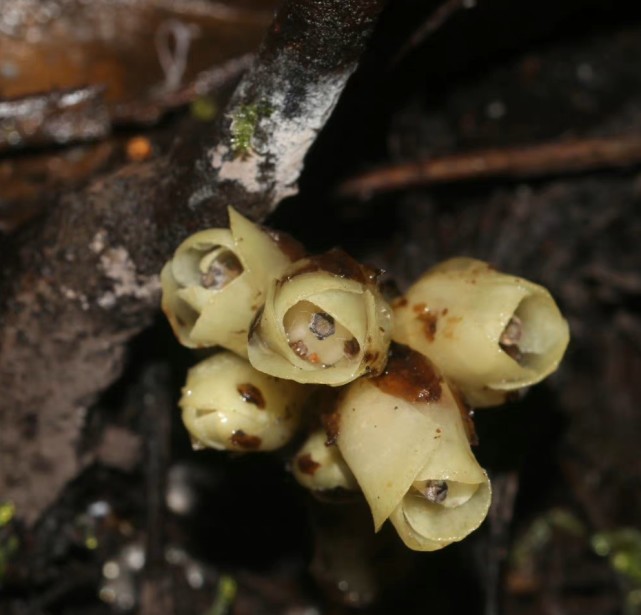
<point x="322" y="325"/>
<point x="223" y="268"/>
<point x="510" y="338"/>
<point x="436" y="491"/>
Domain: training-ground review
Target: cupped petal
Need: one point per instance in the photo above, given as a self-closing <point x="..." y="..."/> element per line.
<point x="490" y="333"/>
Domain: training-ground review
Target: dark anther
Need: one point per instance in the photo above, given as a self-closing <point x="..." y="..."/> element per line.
<point x="222" y="270"/>
<point x="322" y="325"/>
<point x="510" y="338"/>
<point x="436" y="491"/>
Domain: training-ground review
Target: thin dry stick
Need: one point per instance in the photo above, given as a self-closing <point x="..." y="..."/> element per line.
<point x="519" y="162"/>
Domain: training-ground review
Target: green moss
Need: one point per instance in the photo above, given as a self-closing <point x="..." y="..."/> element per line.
<point x="243" y="127"/>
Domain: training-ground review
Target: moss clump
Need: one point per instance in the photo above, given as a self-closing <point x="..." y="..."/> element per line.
<point x="243" y="127"/>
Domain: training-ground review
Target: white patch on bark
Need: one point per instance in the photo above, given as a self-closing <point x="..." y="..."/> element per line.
<point x="291" y="137"/>
<point x="118" y="266"/>
<point x="243" y="170"/>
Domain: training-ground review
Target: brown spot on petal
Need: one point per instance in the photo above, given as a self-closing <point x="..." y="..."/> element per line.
<point x="451" y="323"/>
<point x="410" y="376"/>
<point x="428" y="318"/>
<point x="371" y="357"/>
<point x="251" y="394"/>
<point x="307" y="465"/>
<point x="243" y="440"/>
<point x="351" y="348"/>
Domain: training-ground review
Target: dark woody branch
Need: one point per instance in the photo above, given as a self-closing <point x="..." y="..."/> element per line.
<point x="275" y="114"/>
<point x="76" y="287"/>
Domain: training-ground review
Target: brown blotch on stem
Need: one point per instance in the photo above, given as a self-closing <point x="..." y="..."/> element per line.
<point x="410" y="376"/>
<point x="246" y="441"/>
<point x="251" y="394"/>
<point x="307" y="465"/>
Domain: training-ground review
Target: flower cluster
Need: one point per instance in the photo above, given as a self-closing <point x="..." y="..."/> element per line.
<point x="298" y="330"/>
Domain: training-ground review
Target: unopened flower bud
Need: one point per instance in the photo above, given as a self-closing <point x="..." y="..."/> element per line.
<point x="490" y="333"/>
<point x="319" y="466"/>
<point x="227" y="404"/>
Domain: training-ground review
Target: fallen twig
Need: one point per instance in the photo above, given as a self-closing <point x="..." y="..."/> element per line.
<point x="518" y="162"/>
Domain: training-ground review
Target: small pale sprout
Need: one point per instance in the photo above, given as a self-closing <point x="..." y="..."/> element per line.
<point x="216" y="281"/>
<point x="320" y="467"/>
<point x="490" y="333"/>
<point x="324" y="321"/>
<point x="403" y="435"/>
<point x="228" y="405"/>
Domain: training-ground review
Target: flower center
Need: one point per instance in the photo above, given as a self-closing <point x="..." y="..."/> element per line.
<point x="218" y="268"/>
<point x="316" y="336"/>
